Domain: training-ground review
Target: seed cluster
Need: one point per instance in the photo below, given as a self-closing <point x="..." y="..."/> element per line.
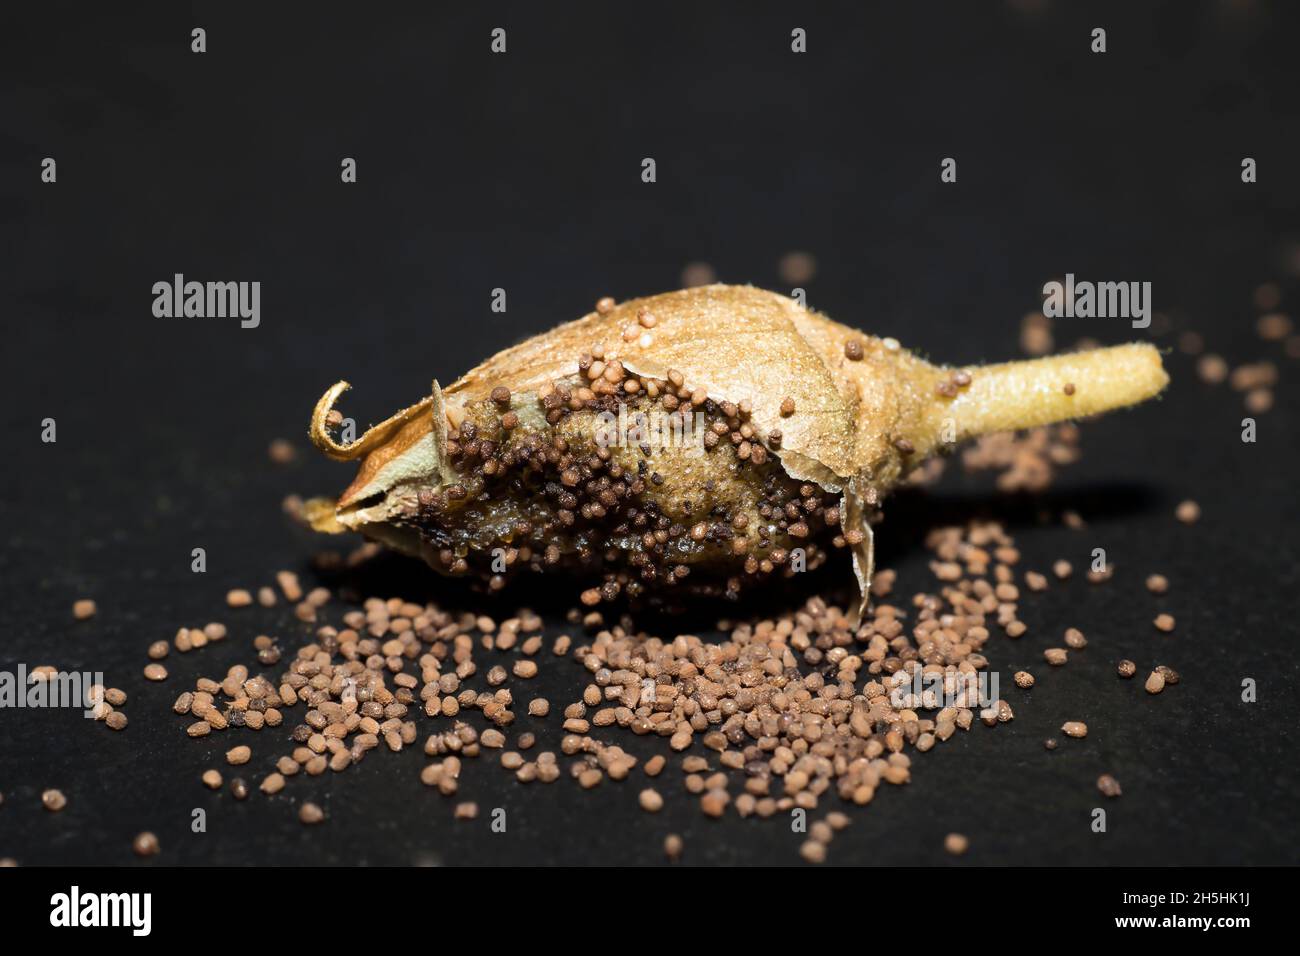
<point x="105" y="704"/>
<point x="1255" y="381"/>
<point x="1025" y="462"/>
<point x="783" y="713"/>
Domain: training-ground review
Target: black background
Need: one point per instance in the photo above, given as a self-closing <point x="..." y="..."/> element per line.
<point x="522" y="171"/>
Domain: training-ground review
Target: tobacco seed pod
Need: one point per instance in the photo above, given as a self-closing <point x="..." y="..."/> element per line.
<point x="739" y="438"/>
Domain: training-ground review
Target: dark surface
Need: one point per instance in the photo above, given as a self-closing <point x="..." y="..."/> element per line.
<point x="521" y="172"/>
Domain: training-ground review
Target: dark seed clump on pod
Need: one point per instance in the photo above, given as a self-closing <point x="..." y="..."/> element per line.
<point x="542" y="500"/>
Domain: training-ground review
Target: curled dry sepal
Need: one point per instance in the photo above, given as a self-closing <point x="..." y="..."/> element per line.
<point x="818" y="422"/>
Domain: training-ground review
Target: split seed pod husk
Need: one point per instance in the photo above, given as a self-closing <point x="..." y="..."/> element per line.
<point x="850" y="426"/>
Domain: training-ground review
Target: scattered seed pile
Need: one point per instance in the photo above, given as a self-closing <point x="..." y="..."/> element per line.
<point x="798" y="711"/>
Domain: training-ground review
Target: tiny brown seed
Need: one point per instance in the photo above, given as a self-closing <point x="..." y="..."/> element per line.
<point x="1188" y="512"/>
<point x="813" y="851"/>
<point x="673" y="847"/>
<point x="145" y="844"/>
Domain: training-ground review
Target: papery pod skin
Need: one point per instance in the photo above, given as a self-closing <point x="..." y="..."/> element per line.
<point x="858" y="425"/>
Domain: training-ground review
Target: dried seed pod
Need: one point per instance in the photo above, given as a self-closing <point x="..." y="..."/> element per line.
<point x="548" y="455"/>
